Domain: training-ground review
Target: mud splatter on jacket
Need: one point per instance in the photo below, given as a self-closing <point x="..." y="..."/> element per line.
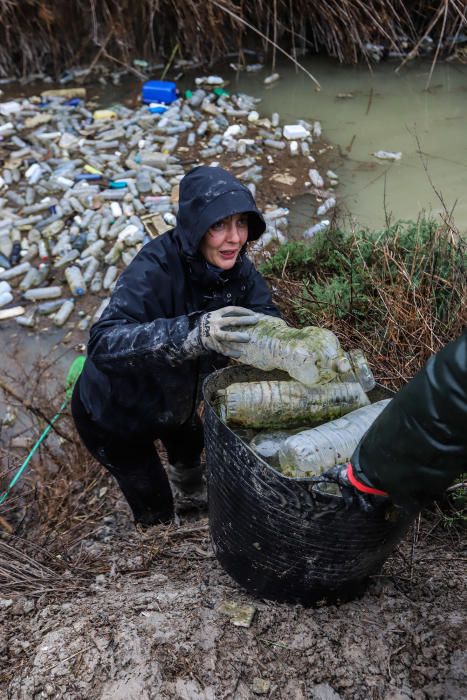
<point x="137" y="376"/>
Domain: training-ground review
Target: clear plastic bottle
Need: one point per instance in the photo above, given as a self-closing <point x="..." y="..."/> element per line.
<point x="311" y="355"/>
<point x="328" y="204"/>
<point x="30" y="279"/>
<point x="16" y="271"/>
<point x="143" y="181"/>
<point x="361" y="369"/>
<point x="316" y="179"/>
<point x="313" y="451"/>
<point x="75" y="281"/>
<point x="110" y="277"/>
<point x="64" y="313"/>
<point x="287" y="404"/>
<point x="42" y="293"/>
<point x="91" y="269"/>
<point x="96" y="283"/>
<point x="268" y="443"/>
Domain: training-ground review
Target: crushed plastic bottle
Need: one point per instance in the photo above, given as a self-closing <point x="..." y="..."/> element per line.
<point x="314" y="451"/>
<point x="311" y="355"/>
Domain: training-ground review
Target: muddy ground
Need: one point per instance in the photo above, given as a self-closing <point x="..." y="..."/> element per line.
<point x="139" y="618"/>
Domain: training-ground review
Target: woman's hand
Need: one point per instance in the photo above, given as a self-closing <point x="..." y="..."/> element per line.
<point x="213" y="335"/>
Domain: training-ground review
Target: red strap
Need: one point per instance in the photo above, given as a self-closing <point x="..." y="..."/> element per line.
<point x="362" y="487"/>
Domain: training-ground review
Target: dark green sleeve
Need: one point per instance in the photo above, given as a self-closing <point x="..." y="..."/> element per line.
<point x="418" y="445"/>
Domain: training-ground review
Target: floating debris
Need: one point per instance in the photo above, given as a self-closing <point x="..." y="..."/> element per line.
<point x="387" y="155"/>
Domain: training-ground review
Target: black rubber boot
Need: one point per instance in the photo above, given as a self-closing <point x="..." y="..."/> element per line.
<point x="151" y="504"/>
<point x="188" y="486"/>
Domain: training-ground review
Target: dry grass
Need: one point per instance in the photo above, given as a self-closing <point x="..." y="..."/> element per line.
<point x="46" y="35"/>
<point x="400" y="296"/>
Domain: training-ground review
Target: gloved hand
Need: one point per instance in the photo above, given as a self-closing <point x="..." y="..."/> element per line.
<point x="353" y="491"/>
<point x="213" y="336"/>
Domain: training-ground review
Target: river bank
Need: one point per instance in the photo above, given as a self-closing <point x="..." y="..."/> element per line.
<point x="91" y="607"/>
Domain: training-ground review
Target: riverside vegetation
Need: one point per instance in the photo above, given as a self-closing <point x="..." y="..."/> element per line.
<point x="399" y="293"/>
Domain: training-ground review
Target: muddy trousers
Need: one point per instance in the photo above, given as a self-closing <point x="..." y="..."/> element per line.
<point x="135" y="463"/>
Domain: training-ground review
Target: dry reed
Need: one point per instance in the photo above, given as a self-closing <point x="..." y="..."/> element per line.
<point x="50" y="36"/>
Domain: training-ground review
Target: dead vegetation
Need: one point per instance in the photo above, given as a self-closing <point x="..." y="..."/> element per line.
<point x="399" y="294"/>
<point x="51" y="36"/>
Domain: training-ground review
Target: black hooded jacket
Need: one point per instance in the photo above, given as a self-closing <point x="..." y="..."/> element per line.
<point x="418" y="445"/>
<point x="137" y="376"/>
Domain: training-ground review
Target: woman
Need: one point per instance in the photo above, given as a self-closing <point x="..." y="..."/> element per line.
<point x="162" y="333"/>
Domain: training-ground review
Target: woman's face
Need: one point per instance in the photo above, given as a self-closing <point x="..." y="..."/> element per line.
<point x="224" y="241"/>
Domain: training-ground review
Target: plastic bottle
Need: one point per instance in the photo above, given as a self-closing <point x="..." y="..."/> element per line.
<point x="64" y="313"/>
<point x="278" y="145"/>
<point x="268" y="443"/>
<point x="91" y="269"/>
<point x="48" y="307"/>
<point x="42" y="293"/>
<point x="143" y="181"/>
<point x="326" y="206"/>
<point x="287" y="404"/>
<point x="75" y="281"/>
<point x="313" y="451"/>
<point x="110" y="277"/>
<point x="96" y="283"/>
<point x="31" y="279"/>
<point x="20" y="269"/>
<point x="4" y="287"/>
<point x="310" y="355"/>
<point x="316" y="179"/>
<point x="317" y="228"/>
<point x="361" y="369"/>
<point x="5" y="298"/>
<point x="66" y="258"/>
<point x="271" y="78"/>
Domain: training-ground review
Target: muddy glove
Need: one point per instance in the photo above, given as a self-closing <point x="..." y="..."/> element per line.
<point x="212" y="327"/>
<point x="210" y="334"/>
<point x="354" y="492"/>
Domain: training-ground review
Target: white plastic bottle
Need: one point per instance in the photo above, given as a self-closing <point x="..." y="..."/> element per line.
<point x="310" y="355"/>
<point x="313" y="451"/>
<point x="75" y="281"/>
<point x="5" y="298"/>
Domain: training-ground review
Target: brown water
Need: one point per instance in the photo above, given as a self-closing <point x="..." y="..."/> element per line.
<point x="387" y="111"/>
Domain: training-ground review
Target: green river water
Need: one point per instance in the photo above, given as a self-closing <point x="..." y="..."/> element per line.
<point x="387" y="111"/>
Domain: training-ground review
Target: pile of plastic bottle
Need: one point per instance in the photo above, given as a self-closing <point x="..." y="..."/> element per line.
<point x="81" y="191"/>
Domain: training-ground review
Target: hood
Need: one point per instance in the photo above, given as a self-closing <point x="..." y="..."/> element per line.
<point x="208" y="195"/>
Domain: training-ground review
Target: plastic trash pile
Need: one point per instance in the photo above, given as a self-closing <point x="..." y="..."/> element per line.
<point x="312" y="420"/>
<point x="81" y="190"/>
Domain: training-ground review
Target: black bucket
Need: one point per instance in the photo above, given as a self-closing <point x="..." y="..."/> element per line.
<point x="281" y="538"/>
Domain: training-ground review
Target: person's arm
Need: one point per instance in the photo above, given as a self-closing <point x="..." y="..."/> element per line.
<point x="418" y="445"/>
<point x="136" y="330"/>
<point x="258" y="296"/>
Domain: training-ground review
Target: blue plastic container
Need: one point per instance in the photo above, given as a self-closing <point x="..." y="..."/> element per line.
<point x="159" y="91"/>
